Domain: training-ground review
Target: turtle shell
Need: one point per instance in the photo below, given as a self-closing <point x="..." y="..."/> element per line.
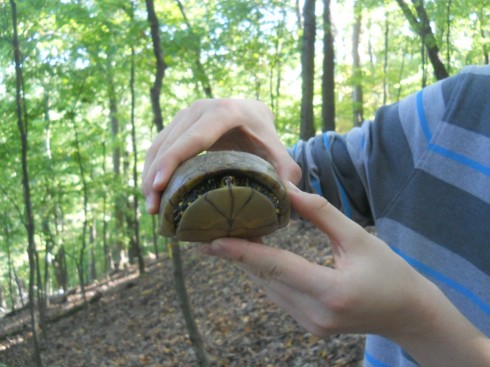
<point x="223" y="194"/>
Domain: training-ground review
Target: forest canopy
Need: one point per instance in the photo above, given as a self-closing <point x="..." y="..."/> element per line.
<point x="83" y="97"/>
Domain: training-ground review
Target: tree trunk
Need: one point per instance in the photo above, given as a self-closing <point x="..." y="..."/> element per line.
<point x="9" y="265"/>
<point x="154" y="235"/>
<point x="199" y="72"/>
<point x="136" y="235"/>
<point x="196" y="340"/>
<point x="81" y="257"/>
<point x="385" y="62"/>
<point x="50" y="196"/>
<point x="275" y="74"/>
<point x="3" y="303"/>
<point x="448" y="36"/>
<point x="92" y="242"/>
<point x="22" y="125"/>
<point x="20" y="288"/>
<point x="357" y="100"/>
<point x="107" y="253"/>
<point x="119" y="198"/>
<point x="60" y="269"/>
<point x="328" y="79"/>
<point x="482" y="18"/>
<point x="194" y="335"/>
<point x="421" y="25"/>
<point x="307" y="129"/>
<point x="160" y="65"/>
<point x="400" y="74"/>
<point x="41" y="299"/>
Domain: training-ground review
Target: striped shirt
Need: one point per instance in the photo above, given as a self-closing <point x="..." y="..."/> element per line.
<point x="420" y="172"/>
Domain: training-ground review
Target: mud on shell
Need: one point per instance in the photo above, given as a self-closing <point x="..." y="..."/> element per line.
<point x="223" y="194"/>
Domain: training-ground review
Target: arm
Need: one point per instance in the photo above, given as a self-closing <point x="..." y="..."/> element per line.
<point x="371" y="290"/>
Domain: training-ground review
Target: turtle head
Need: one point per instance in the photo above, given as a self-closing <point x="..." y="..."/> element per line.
<point x="228" y="181"/>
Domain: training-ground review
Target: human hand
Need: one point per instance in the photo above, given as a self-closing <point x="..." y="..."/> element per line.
<point x="214" y="124"/>
<point x="370" y="290"/>
<point x="367" y="291"/>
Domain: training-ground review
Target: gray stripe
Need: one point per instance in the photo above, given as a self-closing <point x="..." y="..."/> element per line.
<point x="475" y="69"/>
<point x="434" y="106"/>
<point x="464" y="142"/>
<point x="471" y="108"/>
<point x="434" y="209"/>
<point x="411" y="124"/>
<point x="446" y="263"/>
<point x="458" y="175"/>
<point x="387" y="158"/>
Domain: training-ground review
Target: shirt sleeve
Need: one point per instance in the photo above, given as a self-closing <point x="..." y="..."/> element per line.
<point x="363" y="172"/>
<point x="328" y="170"/>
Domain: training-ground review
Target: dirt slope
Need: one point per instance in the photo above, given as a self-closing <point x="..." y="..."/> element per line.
<point x="136" y="321"/>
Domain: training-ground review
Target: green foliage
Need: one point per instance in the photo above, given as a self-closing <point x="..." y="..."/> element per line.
<point x="76" y="59"/>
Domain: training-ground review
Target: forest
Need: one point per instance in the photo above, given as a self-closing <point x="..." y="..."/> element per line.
<point x="86" y="85"/>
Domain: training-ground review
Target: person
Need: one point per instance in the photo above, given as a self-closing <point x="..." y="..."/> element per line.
<point x="420" y="172"/>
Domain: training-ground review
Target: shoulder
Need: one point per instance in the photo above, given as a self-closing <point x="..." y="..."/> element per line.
<point x="466" y="96"/>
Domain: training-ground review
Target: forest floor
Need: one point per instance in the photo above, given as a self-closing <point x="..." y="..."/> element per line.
<point x="135" y="320"/>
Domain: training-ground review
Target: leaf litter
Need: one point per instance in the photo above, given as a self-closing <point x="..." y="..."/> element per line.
<point x="136" y="321"/>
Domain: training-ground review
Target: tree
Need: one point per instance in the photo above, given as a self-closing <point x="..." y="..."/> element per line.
<point x="29" y="220"/>
<point x="357" y="100"/>
<point x="199" y="72"/>
<point x="135" y="238"/>
<point x="197" y="343"/>
<point x="308" y="70"/>
<point x="160" y="65"/>
<point x="421" y="25"/>
<point x="328" y="78"/>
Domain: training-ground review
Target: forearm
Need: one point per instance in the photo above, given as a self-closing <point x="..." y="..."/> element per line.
<point x="439" y="335"/>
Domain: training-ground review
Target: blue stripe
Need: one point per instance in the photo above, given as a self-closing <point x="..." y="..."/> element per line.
<point x="460" y="159"/>
<point x="344" y="199"/>
<point x="326" y="142"/>
<point x="316" y="186"/>
<point x="450" y="283"/>
<point x="373" y="361"/>
<point x="422" y="118"/>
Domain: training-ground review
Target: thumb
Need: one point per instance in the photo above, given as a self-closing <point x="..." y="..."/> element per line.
<point x="288" y="169"/>
<point x="316" y="209"/>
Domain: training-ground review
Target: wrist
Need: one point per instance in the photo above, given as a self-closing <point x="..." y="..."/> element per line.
<point x="435" y="333"/>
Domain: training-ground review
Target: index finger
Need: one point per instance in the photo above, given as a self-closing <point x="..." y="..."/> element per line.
<point x="273" y="264"/>
<point x="343" y="232"/>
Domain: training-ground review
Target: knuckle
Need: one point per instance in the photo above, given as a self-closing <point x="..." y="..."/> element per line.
<point x="269" y="272"/>
<point x="196" y="138"/>
<point x="198" y="103"/>
<point x="296" y="173"/>
<point x="319" y="203"/>
<point x="320" y="325"/>
<point x="341" y="304"/>
<point x="274" y="271"/>
<point x="181" y="113"/>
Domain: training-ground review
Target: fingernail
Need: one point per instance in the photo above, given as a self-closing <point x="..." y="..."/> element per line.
<point x="158" y="181"/>
<point x="205" y="249"/>
<point x="292" y="187"/>
<point x="216" y="247"/>
<point x="150" y="203"/>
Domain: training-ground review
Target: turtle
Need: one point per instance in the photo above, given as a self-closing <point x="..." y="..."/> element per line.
<point x="223" y="194"/>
